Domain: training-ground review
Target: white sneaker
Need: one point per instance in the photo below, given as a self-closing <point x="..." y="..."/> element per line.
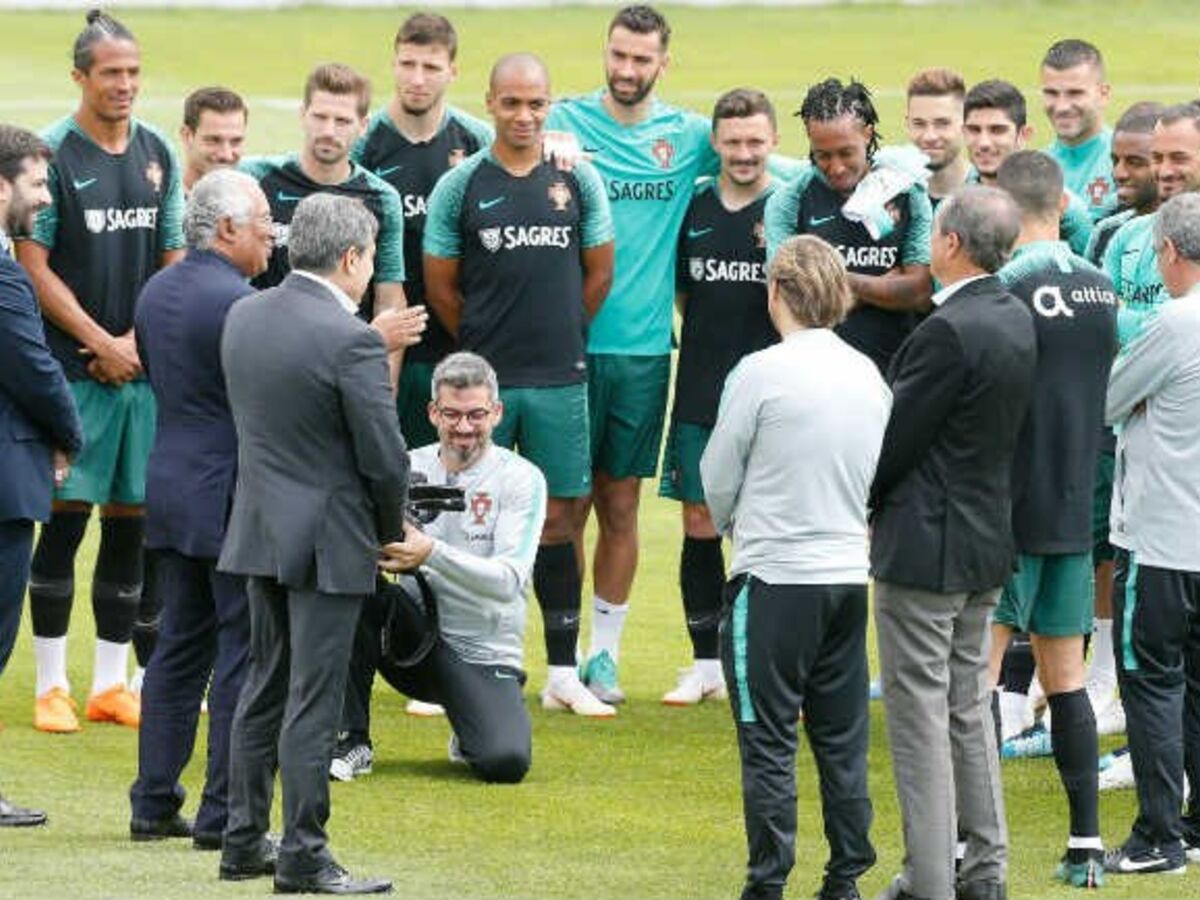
<point x="692" y="689"/>
<point x="569" y="694"/>
<point x="424" y="710"/>
<point x="351" y="760"/>
<point x="1119" y="775"/>
<point x="1110" y="715"/>
<point x="1016" y="715"/>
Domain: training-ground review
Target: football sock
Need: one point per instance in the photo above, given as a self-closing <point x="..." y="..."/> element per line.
<point x="1016" y="673"/>
<point x="111" y="664"/>
<point x="701" y="579"/>
<point x="608" y="620"/>
<point x="52" y="573"/>
<point x="1103" y="669"/>
<point x="117" y="583"/>
<point x="50" y="653"/>
<point x="557" y="586"/>
<point x="710" y="670"/>
<point x="145" y="626"/>
<point x="1073" y="738"/>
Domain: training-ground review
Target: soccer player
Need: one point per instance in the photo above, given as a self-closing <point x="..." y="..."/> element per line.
<point x="1075" y="95"/>
<point x="518" y="258"/>
<point x="213" y="132"/>
<point x="994" y="126"/>
<point x="115" y="219"/>
<point x="889" y="276"/>
<point x="1050" y="595"/>
<point x="722" y="295"/>
<point x="410" y="143"/>
<point x="934" y="119"/>
<point x="1133" y="173"/>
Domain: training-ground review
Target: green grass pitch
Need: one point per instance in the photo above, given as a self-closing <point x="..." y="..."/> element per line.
<point x="648" y="805"/>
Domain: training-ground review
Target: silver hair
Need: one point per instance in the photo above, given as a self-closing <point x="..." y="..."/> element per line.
<point x="1178" y="221"/>
<point x="986" y="220"/>
<point x="221" y="194"/>
<point x="324" y="227"/>
<point x="465" y="370"/>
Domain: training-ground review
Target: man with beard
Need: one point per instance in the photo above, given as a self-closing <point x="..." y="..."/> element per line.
<point x="935" y="126"/>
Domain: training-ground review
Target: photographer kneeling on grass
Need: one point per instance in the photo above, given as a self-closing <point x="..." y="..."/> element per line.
<point x="475" y="563"/>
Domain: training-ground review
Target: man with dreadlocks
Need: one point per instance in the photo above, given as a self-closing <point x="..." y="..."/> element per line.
<point x="889" y="275"/>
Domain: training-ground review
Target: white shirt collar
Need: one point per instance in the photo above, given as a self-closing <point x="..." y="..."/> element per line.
<point x="950" y="290"/>
<point x="347" y="304"/>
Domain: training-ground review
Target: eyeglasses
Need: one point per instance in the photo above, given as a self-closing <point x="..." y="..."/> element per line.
<point x="474" y="416"/>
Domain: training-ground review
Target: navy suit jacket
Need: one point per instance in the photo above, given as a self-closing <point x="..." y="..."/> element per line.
<point x="37" y="412"/>
<point x="193" y="464"/>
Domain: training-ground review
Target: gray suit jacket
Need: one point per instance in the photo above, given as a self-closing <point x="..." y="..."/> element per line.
<point x="322" y="468"/>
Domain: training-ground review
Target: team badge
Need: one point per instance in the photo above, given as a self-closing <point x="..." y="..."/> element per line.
<point x="94" y="219"/>
<point x="490" y="238"/>
<point x="696" y="268"/>
<point x="457" y="155"/>
<point x="664" y="152"/>
<point x="1097" y="190"/>
<point x="481" y="505"/>
<point x="560" y="196"/>
<point x="154" y="175"/>
<point x="760" y="235"/>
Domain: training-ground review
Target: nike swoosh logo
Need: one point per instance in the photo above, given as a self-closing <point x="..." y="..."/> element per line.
<point x="80" y="185"/>
<point x="287" y="198"/>
<point x="819" y="221"/>
<point x="698" y="232"/>
<point x="387" y="170"/>
<point x="1130" y="865"/>
<point x="488" y="204"/>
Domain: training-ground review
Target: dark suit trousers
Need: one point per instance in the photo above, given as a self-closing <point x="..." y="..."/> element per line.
<point x="300" y="643"/>
<point x="205" y="631"/>
<point x="16" y="545"/>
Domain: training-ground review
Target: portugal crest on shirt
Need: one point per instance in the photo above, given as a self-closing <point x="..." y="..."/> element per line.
<point x="481" y="505"/>
<point x="154" y="175"/>
<point x="560" y="196"/>
<point x="760" y="235"/>
<point x="490" y="238"/>
<point x="1097" y="190"/>
<point x="664" y="152"/>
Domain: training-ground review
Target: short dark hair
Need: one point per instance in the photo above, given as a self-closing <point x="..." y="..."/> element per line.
<point x="428" y="29"/>
<point x="211" y="99"/>
<point x="997" y="94"/>
<point x="1180" y="111"/>
<point x="100" y="27"/>
<point x="340" y="80"/>
<point x="1140" y="118"/>
<point x="830" y="100"/>
<point x="1072" y="52"/>
<point x="741" y="103"/>
<point x="642" y="19"/>
<point x="1034" y="180"/>
<point x="16" y="146"/>
<point x="937" y="82"/>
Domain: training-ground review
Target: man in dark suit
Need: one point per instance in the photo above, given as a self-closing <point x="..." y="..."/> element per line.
<point x="205" y="629"/>
<point x="322" y="481"/>
<point x="942" y="547"/>
<point x="39" y="426"/>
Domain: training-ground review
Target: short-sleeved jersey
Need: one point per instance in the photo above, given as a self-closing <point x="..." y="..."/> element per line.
<point x="112" y="217"/>
<point x="808" y="205"/>
<point x="1102" y="233"/>
<point x="649" y="171"/>
<point x="721" y="270"/>
<point x="1075" y="226"/>
<point x="1087" y="172"/>
<point x="285" y="184"/>
<point x="413" y="169"/>
<point x="1131" y="263"/>
<point x="519" y="241"/>
<point x="1074" y="311"/>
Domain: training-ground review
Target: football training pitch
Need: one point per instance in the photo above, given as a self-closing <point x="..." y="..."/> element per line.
<point x="647" y="805"/>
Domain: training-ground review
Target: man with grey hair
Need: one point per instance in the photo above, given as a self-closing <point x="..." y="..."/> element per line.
<point x="321" y="485"/>
<point x="477" y="563"/>
<point x="1154" y="395"/>
<point x="796" y="614"/>
<point x="205" y="625"/>
<point x="942" y="547"/>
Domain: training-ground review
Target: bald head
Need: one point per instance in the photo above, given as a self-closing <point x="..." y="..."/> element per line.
<point x="518" y="99"/>
<point x="519" y="67"/>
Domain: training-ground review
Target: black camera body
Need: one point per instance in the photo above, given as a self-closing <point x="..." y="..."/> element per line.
<point x="428" y="501"/>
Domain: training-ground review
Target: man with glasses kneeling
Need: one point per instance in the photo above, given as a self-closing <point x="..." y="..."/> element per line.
<point x="475" y="563"/>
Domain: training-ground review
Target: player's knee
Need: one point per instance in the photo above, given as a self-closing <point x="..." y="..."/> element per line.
<point x="502" y="765"/>
<point x="559" y="527"/>
<point x="697" y="523"/>
<point x="617" y="511"/>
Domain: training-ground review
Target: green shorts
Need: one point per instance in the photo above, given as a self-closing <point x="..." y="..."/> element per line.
<point x="118" y="431"/>
<point x="627" y="397"/>
<point x="681" y="462"/>
<point x="413" y="393"/>
<point x="1050" y="595"/>
<point x="1102" y="550"/>
<point x="549" y="426"/>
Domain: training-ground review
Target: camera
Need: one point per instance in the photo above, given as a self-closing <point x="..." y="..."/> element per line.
<point x="428" y="501"/>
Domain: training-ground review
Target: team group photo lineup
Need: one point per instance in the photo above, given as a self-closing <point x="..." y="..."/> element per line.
<point x="917" y="399"/>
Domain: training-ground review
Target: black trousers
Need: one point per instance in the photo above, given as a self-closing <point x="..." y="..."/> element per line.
<point x="783" y="646"/>
<point x="484" y="703"/>
<point x="300" y="642"/>
<point x="1156" y="637"/>
<point x="16" y="549"/>
<point x="204" y="632"/>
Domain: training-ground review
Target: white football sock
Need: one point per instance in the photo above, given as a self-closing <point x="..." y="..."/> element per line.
<point x="709" y="670"/>
<point x="111" y="666"/>
<point x="51" y="656"/>
<point x="607" y="621"/>
<point x="557" y="676"/>
<point x="1103" y="670"/>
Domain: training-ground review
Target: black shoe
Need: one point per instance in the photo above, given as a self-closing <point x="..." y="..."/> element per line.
<point x="761" y="892"/>
<point x="207" y="840"/>
<point x="980" y="890"/>
<point x="243" y="867"/>
<point x="18" y="816"/>
<point x="332" y="879"/>
<point x="175" y="826"/>
<point x="1135" y="859"/>
<point x="839" y="892"/>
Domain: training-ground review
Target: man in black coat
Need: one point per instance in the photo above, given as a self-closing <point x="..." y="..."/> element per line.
<point x="942" y="547"/>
